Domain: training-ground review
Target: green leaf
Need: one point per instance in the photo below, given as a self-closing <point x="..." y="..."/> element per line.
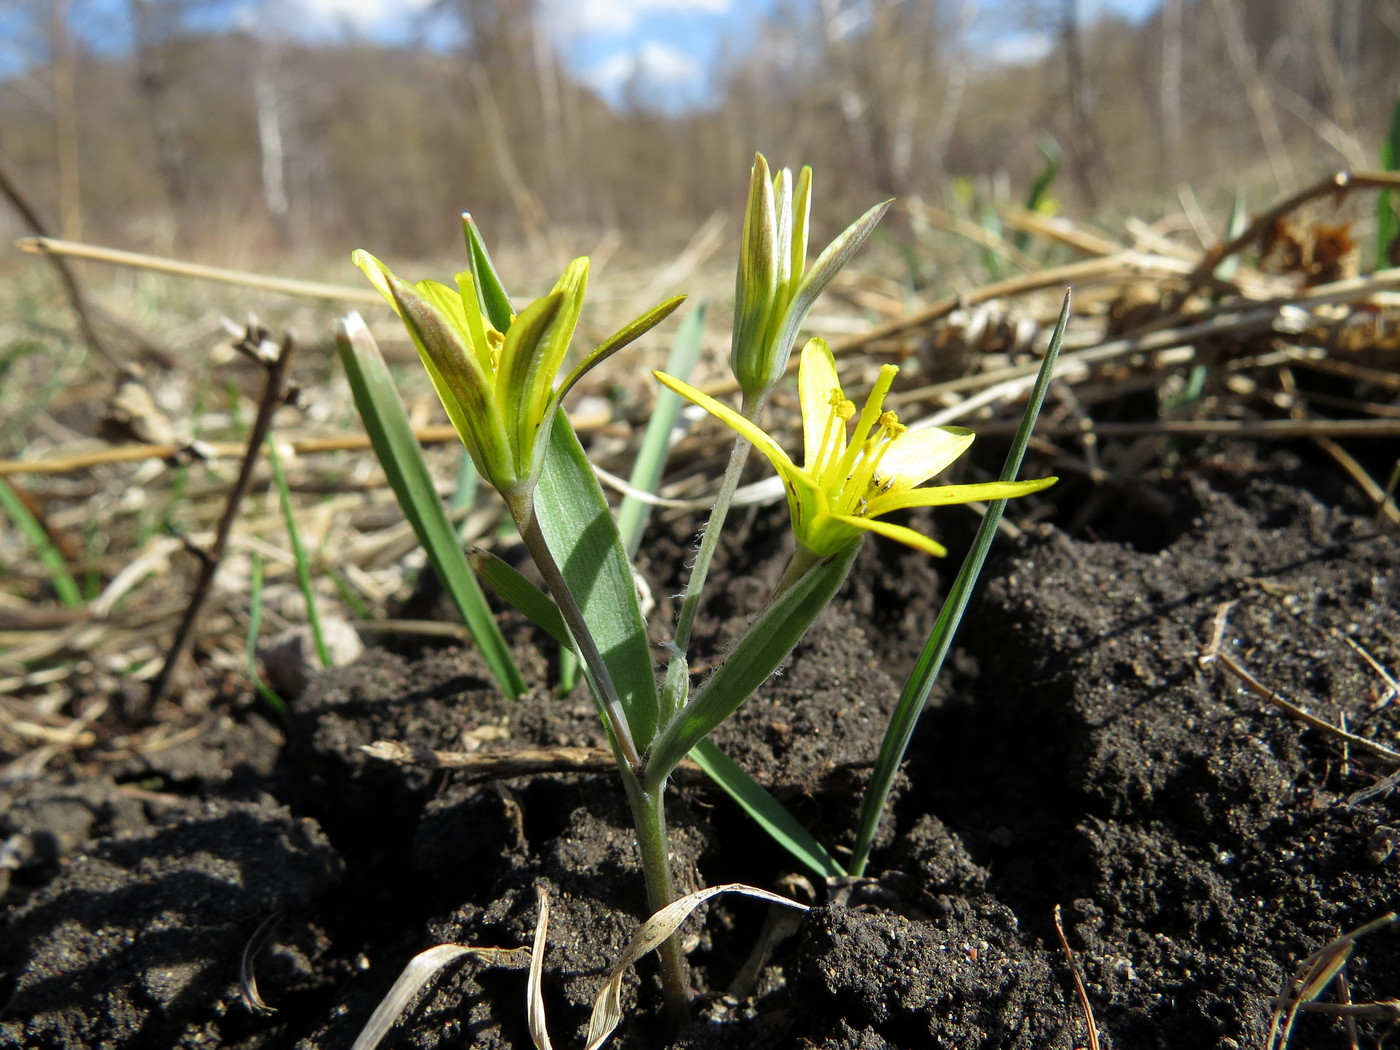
<point x="766" y="810"/>
<point x="489" y="290"/>
<point x="759" y="653"/>
<point x="1049" y="147"/>
<point x="303" y="563"/>
<point x="49" y="555"/>
<point x="940" y="640"/>
<point x="277" y="705"/>
<point x="520" y="594"/>
<point x="1387" y="223"/>
<point x="387" y="424"/>
<point x="577" y="525"/>
<point x="632" y="515"/>
<point x="624" y="336"/>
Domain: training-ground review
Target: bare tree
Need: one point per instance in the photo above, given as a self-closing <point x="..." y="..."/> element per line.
<point x="1086" y="150"/>
<point x="1173" y="46"/>
<point x="65" y="121"/>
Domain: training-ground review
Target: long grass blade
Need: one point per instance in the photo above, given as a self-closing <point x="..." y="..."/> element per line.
<point x="392" y="437"/>
<point x="303" y="564"/>
<point x="255" y="614"/>
<point x="633" y="513"/>
<point x="766" y="810"/>
<point x="49" y="555"/>
<point x="940" y="640"/>
<point x="1387" y="221"/>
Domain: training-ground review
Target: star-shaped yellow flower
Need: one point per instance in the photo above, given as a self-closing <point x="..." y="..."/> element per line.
<point x="846" y="483"/>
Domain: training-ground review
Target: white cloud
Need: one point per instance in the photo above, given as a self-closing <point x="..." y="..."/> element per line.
<point x="1020" y="48"/>
<point x="363" y="15"/>
<point x="619" y="17"/>
<point x="657" y="65"/>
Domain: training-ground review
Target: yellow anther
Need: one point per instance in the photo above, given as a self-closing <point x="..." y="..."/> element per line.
<point x="890" y="424"/>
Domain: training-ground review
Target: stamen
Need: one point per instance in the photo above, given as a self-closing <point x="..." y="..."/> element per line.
<point x="869" y="416"/>
<point x="834" y="432"/>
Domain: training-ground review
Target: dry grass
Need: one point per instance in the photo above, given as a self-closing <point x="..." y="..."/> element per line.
<point x="1175" y="353"/>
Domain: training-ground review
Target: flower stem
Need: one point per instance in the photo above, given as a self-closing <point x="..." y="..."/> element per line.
<point x="690" y="604"/>
<point x="649" y="818"/>
<point x="521" y="503"/>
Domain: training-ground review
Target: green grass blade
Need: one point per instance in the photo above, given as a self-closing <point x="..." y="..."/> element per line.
<point x="1235" y="224"/>
<point x="464" y="492"/>
<point x="255" y="612"/>
<point x="940" y="639"/>
<point x="1049" y="147"/>
<point x="633" y="514"/>
<point x="49" y="555"/>
<point x="1387" y="222"/>
<point x="766" y="810"/>
<point x="582" y="536"/>
<point x="303" y="564"/>
<point x="392" y="437"/>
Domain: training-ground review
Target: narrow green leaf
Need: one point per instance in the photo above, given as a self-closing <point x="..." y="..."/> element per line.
<point x="624" y="336"/>
<point x="759" y="653"/>
<point x="1049" y="147"/>
<point x="1387" y="222"/>
<point x="303" y="563"/>
<point x="255" y="614"/>
<point x="387" y="424"/>
<point x="520" y="594"/>
<point x="1235" y="224"/>
<point x="633" y="513"/>
<point x="940" y="640"/>
<point x="49" y="555"/>
<point x="490" y="292"/>
<point x="766" y="810"/>
<point x="577" y="525"/>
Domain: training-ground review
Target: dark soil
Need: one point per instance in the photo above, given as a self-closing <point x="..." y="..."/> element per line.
<point x="1200" y="842"/>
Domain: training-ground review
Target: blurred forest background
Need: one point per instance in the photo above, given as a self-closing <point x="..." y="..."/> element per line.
<point x="239" y="145"/>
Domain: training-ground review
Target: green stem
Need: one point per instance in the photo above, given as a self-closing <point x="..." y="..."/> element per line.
<point x="649" y="817"/>
<point x="690" y="604"/>
<point x="521" y="503"/>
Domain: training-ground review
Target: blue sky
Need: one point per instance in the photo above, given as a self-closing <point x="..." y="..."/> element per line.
<point x="670" y="45"/>
<point x="666" y="46"/>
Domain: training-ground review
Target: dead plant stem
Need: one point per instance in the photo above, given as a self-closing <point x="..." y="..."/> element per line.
<point x="274" y="393"/>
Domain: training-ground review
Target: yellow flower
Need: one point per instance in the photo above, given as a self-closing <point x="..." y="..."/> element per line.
<point x="847" y="483"/>
<point x="500" y="388"/>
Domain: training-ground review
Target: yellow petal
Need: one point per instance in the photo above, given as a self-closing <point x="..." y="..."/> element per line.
<point x="917" y="455"/>
<point x="816" y="379"/>
<point x="907" y="536"/>
<point x="946" y="495"/>
<point x="727" y="415"/>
